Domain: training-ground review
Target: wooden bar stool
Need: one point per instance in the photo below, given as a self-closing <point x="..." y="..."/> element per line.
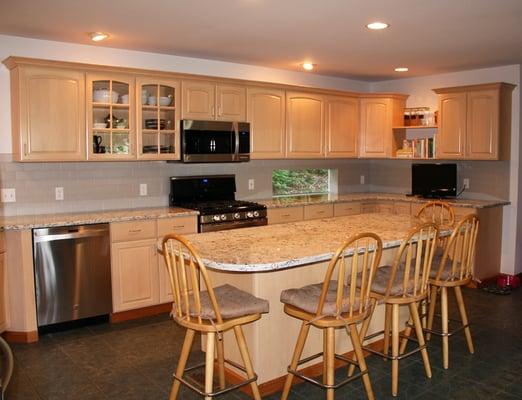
<point x="335" y="304"/>
<point x="455" y="269"/>
<point x="438" y="212"/>
<point x="212" y="311"/>
<point x="404" y="283"/>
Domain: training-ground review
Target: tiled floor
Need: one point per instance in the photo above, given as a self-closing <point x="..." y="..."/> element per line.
<point x="135" y="360"/>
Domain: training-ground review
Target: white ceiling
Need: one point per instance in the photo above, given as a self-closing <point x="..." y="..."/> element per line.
<point x="428" y="36"/>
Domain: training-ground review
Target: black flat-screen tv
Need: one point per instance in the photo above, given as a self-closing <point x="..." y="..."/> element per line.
<point x="434" y="180"/>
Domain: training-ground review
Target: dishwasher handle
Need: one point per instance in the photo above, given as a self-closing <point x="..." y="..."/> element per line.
<point x="70" y="235"/>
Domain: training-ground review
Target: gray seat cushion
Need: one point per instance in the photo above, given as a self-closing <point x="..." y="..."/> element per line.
<point x="446" y="272"/>
<point x="232" y="302"/>
<point x="307" y="298"/>
<point x="382" y="276"/>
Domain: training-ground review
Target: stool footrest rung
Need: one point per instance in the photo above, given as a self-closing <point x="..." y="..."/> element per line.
<point x="449" y="334"/>
<point x="198" y="388"/>
<point x="390" y="357"/>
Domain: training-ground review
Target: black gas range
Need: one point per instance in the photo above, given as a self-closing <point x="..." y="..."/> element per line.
<point x="214" y="197"/>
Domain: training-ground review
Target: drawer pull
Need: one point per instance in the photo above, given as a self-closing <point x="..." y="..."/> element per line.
<point x="178" y="226"/>
<point x="285" y="215"/>
<point x="320" y="212"/>
<point x="134" y="230"/>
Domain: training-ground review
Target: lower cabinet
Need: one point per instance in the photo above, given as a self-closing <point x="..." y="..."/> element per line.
<point x="3" y="297"/>
<point x="342" y="209"/>
<point x="284" y="215"/>
<point x="317" y="211"/>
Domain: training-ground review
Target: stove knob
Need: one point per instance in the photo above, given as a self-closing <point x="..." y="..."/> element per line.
<point x="250" y="214"/>
<point x="237" y="216"/>
<point x="216" y="218"/>
<point x="256" y="214"/>
<point x="223" y="217"/>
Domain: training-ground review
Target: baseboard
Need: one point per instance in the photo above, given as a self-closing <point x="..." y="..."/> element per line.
<point x="276" y="385"/>
<point x="20" y="337"/>
<point x="140" y="313"/>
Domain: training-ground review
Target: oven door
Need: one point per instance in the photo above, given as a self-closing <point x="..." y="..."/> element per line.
<point x="209" y="141"/>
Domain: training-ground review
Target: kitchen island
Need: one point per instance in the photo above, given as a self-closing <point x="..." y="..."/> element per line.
<point x="266" y="260"/>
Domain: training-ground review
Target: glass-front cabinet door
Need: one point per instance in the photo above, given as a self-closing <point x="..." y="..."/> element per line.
<point x="158" y="118"/>
<point x="111" y="132"/>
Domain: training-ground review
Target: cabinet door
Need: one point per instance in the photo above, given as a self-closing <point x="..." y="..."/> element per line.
<point x="316" y="211"/>
<point x="284" y="215"/>
<point x="134" y="275"/>
<point x="482" y="125"/>
<point x="231" y="103"/>
<point x="198" y="100"/>
<point x="51" y="120"/>
<point x="158" y="114"/>
<point x="451" y="137"/>
<point x="3" y="296"/>
<point x="304" y="125"/>
<point x="402" y="208"/>
<point x="376" y="128"/>
<point x="342" y="127"/>
<point x="351" y="208"/>
<point x="266" y="114"/>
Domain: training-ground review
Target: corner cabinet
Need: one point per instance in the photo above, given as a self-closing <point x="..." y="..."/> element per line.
<point x="304" y="125"/>
<point x="3" y="286"/>
<point x="158" y="115"/>
<point x="341" y="127"/>
<point x="266" y="115"/>
<point x="378" y="115"/>
<point x="211" y="101"/>
<point x="48" y="113"/>
<point x="475" y="122"/>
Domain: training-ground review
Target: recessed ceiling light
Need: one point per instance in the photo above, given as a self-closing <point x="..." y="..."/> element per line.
<point x="98" y="36"/>
<point x="308" y="66"/>
<point x="401" y="69"/>
<point x="377" y="25"/>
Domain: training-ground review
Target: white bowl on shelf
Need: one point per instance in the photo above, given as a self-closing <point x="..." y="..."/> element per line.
<point x="165" y="101"/>
<point x="124" y="99"/>
<point x="99" y="125"/>
<point x="152" y="101"/>
<point x="104" y="96"/>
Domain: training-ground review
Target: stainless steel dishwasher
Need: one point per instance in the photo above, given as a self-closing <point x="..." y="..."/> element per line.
<point x="72" y="272"/>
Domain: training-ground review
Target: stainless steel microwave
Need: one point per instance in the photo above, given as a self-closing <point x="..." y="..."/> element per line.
<point x="214" y="141"/>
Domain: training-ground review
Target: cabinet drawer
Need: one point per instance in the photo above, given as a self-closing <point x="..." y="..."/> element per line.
<point x="341" y="209"/>
<point x="402" y="208"/>
<point x="283" y="215"/>
<point x="2" y="242"/>
<point x="368" y="208"/>
<point x="318" y="211"/>
<point x="134" y="230"/>
<point x="179" y="225"/>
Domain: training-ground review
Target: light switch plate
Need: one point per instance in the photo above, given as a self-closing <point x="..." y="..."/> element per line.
<point x="362" y="180"/>
<point x="8" y="195"/>
<point x="251" y="184"/>
<point x="58" y="193"/>
<point x="143" y="189"/>
<point x="465" y="182"/>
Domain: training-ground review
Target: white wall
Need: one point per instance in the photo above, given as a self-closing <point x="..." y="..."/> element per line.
<point x="421" y="94"/>
<point x="18" y="46"/>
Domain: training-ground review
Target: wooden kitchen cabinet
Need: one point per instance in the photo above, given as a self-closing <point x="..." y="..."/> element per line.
<point x="351" y="208"/>
<point x="211" y="101"/>
<point x="3" y="296"/>
<point x="402" y="208"/>
<point x="266" y="115"/>
<point x="378" y="115"/>
<point x="135" y="278"/>
<point x="285" y="214"/>
<point x="158" y="114"/>
<point x="316" y="211"/>
<point x="48" y="113"/>
<point x="304" y="125"/>
<point x="341" y="127"/>
<point x="111" y="121"/>
<point x="475" y="122"/>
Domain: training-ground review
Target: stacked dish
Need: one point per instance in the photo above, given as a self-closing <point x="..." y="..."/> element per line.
<point x="153" y="124"/>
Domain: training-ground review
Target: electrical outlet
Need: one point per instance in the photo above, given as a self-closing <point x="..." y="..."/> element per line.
<point x="362" y="180"/>
<point x="8" y="195"/>
<point x="465" y="181"/>
<point x="143" y="189"/>
<point x="251" y="185"/>
<point x="58" y="193"/>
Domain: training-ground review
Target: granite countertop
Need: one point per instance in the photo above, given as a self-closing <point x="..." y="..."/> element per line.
<point x="273" y="247"/>
<point x="94" y="217"/>
<point x="345" y="198"/>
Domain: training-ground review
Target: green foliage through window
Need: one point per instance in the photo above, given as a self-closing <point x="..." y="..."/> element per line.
<point x="288" y="182"/>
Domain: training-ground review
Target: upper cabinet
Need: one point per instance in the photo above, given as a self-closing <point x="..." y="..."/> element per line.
<point x="211" y="101"/>
<point x="48" y="113"/>
<point x="111" y="117"/>
<point x="378" y="115"/>
<point x="341" y="127"/>
<point x="475" y="122"/>
<point x="266" y="114"/>
<point x="158" y="118"/>
<point x="304" y="125"/>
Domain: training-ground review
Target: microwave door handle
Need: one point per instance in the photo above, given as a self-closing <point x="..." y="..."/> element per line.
<point x="236" y="131"/>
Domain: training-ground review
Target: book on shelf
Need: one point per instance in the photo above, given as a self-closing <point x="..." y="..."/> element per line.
<point x="417" y="148"/>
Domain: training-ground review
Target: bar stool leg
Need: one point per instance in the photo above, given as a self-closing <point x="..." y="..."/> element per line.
<point x="395" y="348"/>
<point x="445" y="321"/>
<point x="420" y="337"/>
<point x="185" y="351"/>
<point x="301" y="340"/>
<point x="407" y="333"/>
<point x="431" y="312"/>
<point x="247" y="362"/>
<point x="357" y="348"/>
<point x="209" y="363"/>
<point x="364" y="330"/>
<point x="325" y="350"/>
<point x="221" y="360"/>
<point x="387" y="325"/>
<point x="330" y="361"/>
<point x="464" y="318"/>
